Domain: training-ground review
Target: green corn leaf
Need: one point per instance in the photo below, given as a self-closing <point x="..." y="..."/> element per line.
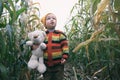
<point x="1" y="7"/>
<point x="20" y="11"/>
<point x="3" y="72"/>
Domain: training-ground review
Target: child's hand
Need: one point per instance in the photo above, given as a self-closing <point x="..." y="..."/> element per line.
<point x="63" y="61"/>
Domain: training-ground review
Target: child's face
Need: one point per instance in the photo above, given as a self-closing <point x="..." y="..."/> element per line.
<point x="51" y="21"/>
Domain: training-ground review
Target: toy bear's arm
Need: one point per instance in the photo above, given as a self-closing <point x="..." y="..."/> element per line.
<point x="29" y="43"/>
<point x="43" y="46"/>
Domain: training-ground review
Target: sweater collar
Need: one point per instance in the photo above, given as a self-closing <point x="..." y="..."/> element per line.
<point x="50" y="31"/>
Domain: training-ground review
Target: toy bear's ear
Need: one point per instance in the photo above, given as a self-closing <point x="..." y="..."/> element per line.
<point x="30" y="35"/>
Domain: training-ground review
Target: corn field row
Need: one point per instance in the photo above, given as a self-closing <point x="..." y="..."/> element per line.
<point x="93" y="31"/>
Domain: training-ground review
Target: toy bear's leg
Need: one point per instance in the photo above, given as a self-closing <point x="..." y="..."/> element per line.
<point x="41" y="66"/>
<point x="33" y="62"/>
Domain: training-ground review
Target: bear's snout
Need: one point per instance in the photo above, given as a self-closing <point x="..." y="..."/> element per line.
<point x="35" y="36"/>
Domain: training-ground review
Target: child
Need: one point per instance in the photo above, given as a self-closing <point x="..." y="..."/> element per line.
<point x="57" y="49"/>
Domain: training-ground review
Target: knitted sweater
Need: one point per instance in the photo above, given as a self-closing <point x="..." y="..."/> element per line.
<point x="57" y="47"/>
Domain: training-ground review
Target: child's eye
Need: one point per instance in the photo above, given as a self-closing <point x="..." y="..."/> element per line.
<point x="54" y="18"/>
<point x="48" y="18"/>
<point x="51" y="18"/>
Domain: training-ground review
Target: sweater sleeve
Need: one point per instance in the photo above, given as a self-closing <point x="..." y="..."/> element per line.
<point x="64" y="45"/>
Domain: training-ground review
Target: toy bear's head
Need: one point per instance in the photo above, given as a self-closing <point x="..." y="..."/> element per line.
<point x="37" y="36"/>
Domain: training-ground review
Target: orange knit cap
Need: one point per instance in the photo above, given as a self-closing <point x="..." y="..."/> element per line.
<point x="43" y="19"/>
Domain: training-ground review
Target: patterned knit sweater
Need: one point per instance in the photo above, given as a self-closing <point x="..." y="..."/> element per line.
<point x="57" y="47"/>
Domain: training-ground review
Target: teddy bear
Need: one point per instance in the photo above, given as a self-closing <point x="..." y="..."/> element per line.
<point x="36" y="60"/>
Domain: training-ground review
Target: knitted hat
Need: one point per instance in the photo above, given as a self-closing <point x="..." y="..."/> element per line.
<point x="43" y="19"/>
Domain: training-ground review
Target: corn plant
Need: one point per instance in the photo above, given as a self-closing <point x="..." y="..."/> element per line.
<point x="93" y="33"/>
<point x="17" y="18"/>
